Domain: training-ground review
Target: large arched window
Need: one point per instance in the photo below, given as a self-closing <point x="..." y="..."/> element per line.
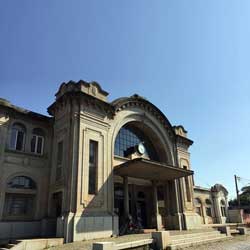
<point x="130" y="136"/>
<point x="208" y="207"/>
<point x="20" y="198"/>
<point x="17" y="136"/>
<point x="37" y="141"/>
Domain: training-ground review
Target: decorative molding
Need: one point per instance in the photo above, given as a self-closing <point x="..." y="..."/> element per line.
<point x="140" y="102"/>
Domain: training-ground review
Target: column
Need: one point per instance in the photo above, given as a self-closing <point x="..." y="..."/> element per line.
<point x="217" y="209"/>
<point x="4" y="137"/>
<point x="126" y="196"/>
<point x="155" y="200"/>
<point x="204" y="212"/>
<point x="176" y="200"/>
<point x="166" y="204"/>
<point x="166" y="197"/>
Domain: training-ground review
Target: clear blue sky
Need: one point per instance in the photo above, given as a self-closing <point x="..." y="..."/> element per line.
<point x="190" y="58"/>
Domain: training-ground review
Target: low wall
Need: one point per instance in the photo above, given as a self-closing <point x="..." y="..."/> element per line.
<point x="88" y="227"/>
<point x="193" y="220"/>
<point x="235" y="215"/>
<point x="14" y="230"/>
<point x="26" y="229"/>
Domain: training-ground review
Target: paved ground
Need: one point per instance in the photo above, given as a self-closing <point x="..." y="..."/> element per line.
<point x="87" y="245"/>
<point x="237" y="243"/>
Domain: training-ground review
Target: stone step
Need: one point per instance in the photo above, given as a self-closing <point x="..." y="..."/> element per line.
<point x="134" y="244"/>
<point x="7" y="246"/>
<point x="189" y="235"/>
<point x="194" y="243"/>
<point x="199" y="230"/>
<point x="10" y="245"/>
<point x="149" y="230"/>
<point x="234" y="231"/>
<point x="196" y="238"/>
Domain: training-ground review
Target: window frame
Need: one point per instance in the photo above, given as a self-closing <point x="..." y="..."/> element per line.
<point x="187" y="186"/>
<point x="198" y="206"/>
<point x="208" y="205"/>
<point x="93" y="167"/>
<point x="21" y="195"/>
<point x="59" y="164"/>
<point x="17" y="128"/>
<point x="128" y="137"/>
<point x="36" y="144"/>
<point x="12" y="198"/>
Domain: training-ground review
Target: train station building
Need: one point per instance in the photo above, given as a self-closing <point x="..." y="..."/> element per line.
<point x="91" y="165"/>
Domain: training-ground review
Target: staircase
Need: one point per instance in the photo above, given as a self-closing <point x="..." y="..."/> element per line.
<point x="34" y="244"/>
<point x="195" y="238"/>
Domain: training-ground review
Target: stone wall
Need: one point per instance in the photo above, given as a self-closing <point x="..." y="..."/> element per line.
<point x="27" y="229"/>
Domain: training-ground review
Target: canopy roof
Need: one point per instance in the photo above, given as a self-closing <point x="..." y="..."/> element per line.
<point x="150" y="170"/>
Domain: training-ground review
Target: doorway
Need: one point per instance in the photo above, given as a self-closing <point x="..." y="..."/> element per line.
<point x="141" y="210"/>
<point x="138" y="208"/>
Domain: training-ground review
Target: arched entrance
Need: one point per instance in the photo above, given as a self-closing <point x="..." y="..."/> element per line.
<point x="141" y="166"/>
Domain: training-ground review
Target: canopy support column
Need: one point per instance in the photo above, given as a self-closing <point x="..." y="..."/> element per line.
<point x="126" y="196"/>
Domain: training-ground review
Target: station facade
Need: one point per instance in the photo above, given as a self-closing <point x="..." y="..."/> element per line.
<point x="91" y="165"/>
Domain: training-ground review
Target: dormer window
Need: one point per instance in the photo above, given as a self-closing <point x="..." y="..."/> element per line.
<point x="17" y="137"/>
<point x="37" y="141"/>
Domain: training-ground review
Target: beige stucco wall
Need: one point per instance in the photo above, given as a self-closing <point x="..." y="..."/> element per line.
<point x="215" y="197"/>
<point x="15" y="163"/>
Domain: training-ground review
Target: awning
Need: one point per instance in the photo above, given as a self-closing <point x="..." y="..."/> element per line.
<point x="150" y="170"/>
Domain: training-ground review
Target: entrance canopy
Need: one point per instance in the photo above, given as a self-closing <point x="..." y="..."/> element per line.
<point x="150" y="170"/>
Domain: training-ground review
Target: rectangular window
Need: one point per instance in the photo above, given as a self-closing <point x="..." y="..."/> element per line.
<point x="209" y="211"/>
<point x="19" y="205"/>
<point x="59" y="153"/>
<point x="188" y="194"/>
<point x="93" y="161"/>
<point x="17" y="139"/>
<point x="198" y="210"/>
<point x="37" y="144"/>
<point x="33" y="144"/>
<point x="59" y="160"/>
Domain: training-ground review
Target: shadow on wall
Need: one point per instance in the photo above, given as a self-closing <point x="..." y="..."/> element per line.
<point x="97" y="220"/>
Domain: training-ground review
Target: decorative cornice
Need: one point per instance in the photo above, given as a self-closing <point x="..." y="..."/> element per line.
<point x="82" y="97"/>
<point x="180" y="126"/>
<point x="183" y="140"/>
<point x="73" y="86"/>
<point x="141" y="102"/>
<point x="9" y="108"/>
<point x="218" y="188"/>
